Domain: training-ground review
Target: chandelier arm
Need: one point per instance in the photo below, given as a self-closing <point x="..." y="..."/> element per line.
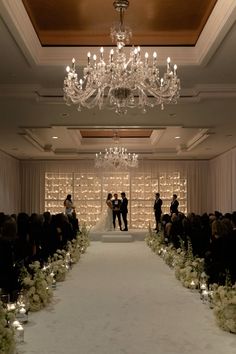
<point x="125" y="81"/>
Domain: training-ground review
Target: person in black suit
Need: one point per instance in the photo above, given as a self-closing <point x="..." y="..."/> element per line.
<point x="124" y="210"/>
<point x="157" y="210"/>
<point x="174" y="205"/>
<point x="116" y="204"/>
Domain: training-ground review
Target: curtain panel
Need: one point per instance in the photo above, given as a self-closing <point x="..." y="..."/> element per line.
<point x="222" y="182"/>
<point x="9" y="184"/>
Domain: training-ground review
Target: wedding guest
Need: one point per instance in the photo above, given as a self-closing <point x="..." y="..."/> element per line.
<point x="74" y="223"/>
<point x="68" y="204"/>
<point x="8" y="274"/>
<point x="46" y="236"/>
<point x="23" y="235"/>
<point x="124" y="210"/>
<point x="166" y="225"/>
<point x="35" y="234"/>
<point x="232" y="249"/>
<point x="116" y="204"/>
<point x="56" y="235"/>
<point x="174" y="205"/>
<point x="215" y="260"/>
<point x="157" y="210"/>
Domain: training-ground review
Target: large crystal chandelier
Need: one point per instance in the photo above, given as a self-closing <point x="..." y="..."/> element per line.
<point x="116" y="157"/>
<point x="123" y="81"/>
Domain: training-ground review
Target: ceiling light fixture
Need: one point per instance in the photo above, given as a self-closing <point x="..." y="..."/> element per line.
<point x="123" y="81"/>
<point x="116" y="157"/>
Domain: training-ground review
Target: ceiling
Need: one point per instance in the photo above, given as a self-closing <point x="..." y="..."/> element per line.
<point x="39" y="38"/>
<point x="154" y="22"/>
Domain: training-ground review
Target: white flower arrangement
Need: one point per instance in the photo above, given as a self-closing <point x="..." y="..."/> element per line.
<point x="38" y="281"/>
<point x="7" y="342"/>
<point x="190" y="271"/>
<point x="224" y="302"/>
<point x="37" y="284"/>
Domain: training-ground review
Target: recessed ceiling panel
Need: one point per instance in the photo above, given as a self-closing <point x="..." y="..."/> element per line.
<point x="153" y="22"/>
<point x="122" y="133"/>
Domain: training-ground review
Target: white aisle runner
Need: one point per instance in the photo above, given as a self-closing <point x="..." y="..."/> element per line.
<point x="122" y="299"/>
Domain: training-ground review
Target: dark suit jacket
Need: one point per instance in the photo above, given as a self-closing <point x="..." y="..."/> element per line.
<point x="174" y="207"/>
<point x="124" y="205"/>
<point x="157" y="206"/>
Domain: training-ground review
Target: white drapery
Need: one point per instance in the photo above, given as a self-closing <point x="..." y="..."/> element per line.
<point x="9" y="184"/>
<point x="33" y="174"/>
<point x="211" y="184"/>
<point x="222" y="182"/>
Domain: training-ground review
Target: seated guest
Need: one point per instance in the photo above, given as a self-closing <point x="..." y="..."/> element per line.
<point x="216" y="260"/>
<point x="35" y="234"/>
<point x="8" y="271"/>
<point x="232" y="249"/>
<point x="74" y="222"/>
<point x="24" y="248"/>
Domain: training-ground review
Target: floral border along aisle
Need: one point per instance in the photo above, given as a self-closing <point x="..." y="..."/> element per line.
<point x="190" y="271"/>
<point x="7" y="342"/>
<point x="38" y="282"/>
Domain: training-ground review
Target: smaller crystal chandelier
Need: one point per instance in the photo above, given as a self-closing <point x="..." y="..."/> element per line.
<point x="116" y="157"/>
<point x="123" y="81"/>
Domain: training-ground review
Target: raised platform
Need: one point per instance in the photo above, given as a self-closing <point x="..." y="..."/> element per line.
<point x="118" y="236"/>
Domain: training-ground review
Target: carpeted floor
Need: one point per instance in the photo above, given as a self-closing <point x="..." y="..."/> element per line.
<point x="122" y="299"/>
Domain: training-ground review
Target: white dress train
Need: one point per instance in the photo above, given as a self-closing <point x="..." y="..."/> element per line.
<point x="105" y="223"/>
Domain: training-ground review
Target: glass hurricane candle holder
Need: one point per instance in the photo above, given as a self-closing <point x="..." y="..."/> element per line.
<point x="193" y="285"/>
<point x="22" y="315"/>
<point x="205" y="296"/>
<point x="19" y="334"/>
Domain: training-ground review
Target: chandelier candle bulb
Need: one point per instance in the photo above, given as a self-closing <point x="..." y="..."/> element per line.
<point x="89" y="55"/>
<point x="101" y="53"/>
<point x="168" y="64"/>
<point x="111" y="55"/>
<point x="73" y="64"/>
<point x="175" y="69"/>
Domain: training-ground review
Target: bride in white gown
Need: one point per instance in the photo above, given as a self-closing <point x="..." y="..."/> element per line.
<point x="105" y="223"/>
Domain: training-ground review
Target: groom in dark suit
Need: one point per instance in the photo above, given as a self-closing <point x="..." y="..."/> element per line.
<point x="124" y="210"/>
<point x="116" y="204"/>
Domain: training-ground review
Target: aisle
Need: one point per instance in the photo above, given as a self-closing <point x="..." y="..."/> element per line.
<point x="122" y="299"/>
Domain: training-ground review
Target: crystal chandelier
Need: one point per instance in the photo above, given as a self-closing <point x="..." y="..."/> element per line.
<point x="122" y="82"/>
<point x="116" y="157"/>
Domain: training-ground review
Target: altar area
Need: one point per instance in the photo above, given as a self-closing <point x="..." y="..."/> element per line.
<point x="118" y="236"/>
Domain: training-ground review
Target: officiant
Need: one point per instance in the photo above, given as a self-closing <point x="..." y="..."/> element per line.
<point x="116" y="204"/>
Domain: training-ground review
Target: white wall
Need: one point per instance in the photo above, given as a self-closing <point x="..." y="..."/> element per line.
<point x="222" y="182"/>
<point x="9" y="184"/>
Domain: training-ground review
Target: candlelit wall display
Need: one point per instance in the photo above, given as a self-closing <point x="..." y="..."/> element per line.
<point x="173" y="183"/>
<point x="89" y="192"/>
<point x="87" y="197"/>
<point x="143" y="188"/>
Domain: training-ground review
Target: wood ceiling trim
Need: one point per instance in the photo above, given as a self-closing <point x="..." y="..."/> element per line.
<point x="154" y="23"/>
<point x="124" y="133"/>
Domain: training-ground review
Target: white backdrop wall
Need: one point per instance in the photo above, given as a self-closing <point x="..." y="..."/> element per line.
<point x="33" y="178"/>
<point x="222" y="182"/>
<point x="9" y="184"/>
